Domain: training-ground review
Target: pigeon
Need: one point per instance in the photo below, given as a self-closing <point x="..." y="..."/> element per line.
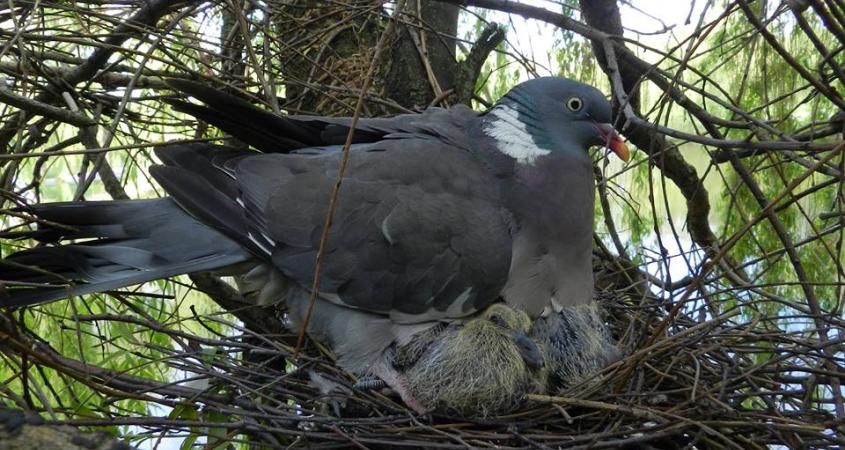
<point x="575" y="343"/>
<point x="481" y="367"/>
<point x="440" y="215"/>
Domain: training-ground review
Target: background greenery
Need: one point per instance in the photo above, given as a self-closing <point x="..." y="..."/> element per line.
<point x="729" y="229"/>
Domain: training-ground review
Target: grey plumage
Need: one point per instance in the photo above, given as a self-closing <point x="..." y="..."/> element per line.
<point x="442" y="214"/>
<point x="575" y="343"/>
<point x="474" y="368"/>
<point x="120" y="243"/>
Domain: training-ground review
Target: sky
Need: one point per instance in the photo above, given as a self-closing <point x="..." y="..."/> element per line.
<point x="642" y="23"/>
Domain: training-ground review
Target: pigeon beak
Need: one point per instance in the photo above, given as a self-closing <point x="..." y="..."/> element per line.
<point x="613" y="141"/>
<point x="528" y="349"/>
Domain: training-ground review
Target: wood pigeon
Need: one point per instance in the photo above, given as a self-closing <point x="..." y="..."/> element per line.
<point x="480" y="367"/>
<point x="441" y="214"/>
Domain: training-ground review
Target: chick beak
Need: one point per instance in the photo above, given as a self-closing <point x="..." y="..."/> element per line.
<point x="613" y="141"/>
<point x="528" y="349"/>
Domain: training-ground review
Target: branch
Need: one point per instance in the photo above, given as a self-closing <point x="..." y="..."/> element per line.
<point x="605" y="14"/>
<point x="254" y="317"/>
<point x="43" y="109"/>
<point x="147" y="16"/>
<point x="468" y="70"/>
<point x="22" y="431"/>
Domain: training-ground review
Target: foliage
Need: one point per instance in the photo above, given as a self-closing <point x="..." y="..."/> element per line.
<point x="746" y="325"/>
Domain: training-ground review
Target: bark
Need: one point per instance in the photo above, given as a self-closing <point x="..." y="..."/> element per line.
<point x="323" y="71"/>
<point x="21" y="431"/>
<point x="326" y="50"/>
<point x="422" y="63"/>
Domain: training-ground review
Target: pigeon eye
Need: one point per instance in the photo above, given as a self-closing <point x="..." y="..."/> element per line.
<point x="497" y="319"/>
<point x="575" y="104"/>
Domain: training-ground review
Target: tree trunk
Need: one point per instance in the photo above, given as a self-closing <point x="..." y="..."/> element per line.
<point x="324" y="71"/>
<point x="422" y="63"/>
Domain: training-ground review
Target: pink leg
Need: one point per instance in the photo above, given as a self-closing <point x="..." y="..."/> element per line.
<point x="399" y="384"/>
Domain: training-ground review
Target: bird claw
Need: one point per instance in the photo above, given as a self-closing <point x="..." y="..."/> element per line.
<point x="369" y="384"/>
<point x="394" y="380"/>
<point x="332" y="393"/>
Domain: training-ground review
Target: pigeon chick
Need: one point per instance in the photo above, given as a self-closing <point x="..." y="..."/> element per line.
<point x="479" y="367"/>
<point x="575" y="344"/>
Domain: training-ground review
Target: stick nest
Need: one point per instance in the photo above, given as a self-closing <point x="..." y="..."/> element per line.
<point x="684" y="381"/>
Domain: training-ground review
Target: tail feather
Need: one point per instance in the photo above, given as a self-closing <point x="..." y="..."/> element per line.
<point x="257" y="127"/>
<point x="116" y="244"/>
<point x="265" y="130"/>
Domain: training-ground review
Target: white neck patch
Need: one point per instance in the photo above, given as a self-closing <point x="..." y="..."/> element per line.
<point x="511" y="135"/>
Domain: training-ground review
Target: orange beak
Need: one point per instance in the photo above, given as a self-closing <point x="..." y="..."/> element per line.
<point x="613" y="141"/>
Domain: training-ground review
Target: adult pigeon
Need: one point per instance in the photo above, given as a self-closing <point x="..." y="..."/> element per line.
<point x="441" y="215"/>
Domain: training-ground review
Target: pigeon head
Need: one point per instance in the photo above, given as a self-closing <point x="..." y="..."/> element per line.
<point x="552" y="115"/>
<point x="482" y="366"/>
<point x="512" y="324"/>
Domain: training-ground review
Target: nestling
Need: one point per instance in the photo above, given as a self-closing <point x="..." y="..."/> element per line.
<point x="481" y="367"/>
<point x="575" y="344"/>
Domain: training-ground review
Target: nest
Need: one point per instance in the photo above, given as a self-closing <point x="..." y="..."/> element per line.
<point x="686" y="380"/>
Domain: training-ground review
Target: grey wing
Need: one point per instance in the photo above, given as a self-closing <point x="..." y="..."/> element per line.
<point x="419" y="233"/>
<point x="411" y="239"/>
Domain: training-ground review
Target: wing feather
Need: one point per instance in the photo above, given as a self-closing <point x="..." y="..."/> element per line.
<point x="419" y="233"/>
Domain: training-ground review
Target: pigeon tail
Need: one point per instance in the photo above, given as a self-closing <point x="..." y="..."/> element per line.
<point x="99" y="246"/>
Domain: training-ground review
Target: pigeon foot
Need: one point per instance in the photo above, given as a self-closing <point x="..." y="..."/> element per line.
<point x="400" y="385"/>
